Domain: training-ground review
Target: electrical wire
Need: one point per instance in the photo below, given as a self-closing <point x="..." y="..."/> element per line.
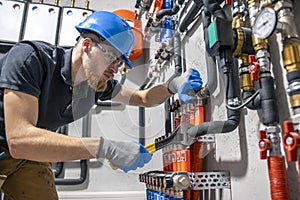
<point x="243" y="104"/>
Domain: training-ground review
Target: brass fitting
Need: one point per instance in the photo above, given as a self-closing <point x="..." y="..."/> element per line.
<point x="245" y="78"/>
<point x="246" y="82"/>
<point x="240" y="42"/>
<point x="237" y="21"/>
<point x="295" y="100"/>
<point x="291" y="55"/>
<point x="259" y="44"/>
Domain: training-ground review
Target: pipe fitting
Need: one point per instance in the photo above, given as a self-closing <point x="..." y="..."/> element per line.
<point x="295" y="100"/>
<point x="259" y="44"/>
<point x="273" y="135"/>
<point x="291" y="55"/>
<point x="286" y="24"/>
<point x="253" y="7"/>
<point x="262" y="57"/>
<point x="181" y="181"/>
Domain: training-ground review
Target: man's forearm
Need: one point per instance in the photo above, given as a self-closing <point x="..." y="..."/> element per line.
<point x="45" y="146"/>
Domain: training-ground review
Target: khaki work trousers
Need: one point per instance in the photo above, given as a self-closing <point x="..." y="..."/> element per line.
<point x="26" y="180"/>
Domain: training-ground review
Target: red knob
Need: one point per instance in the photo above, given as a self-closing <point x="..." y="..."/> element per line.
<point x="254" y="68"/>
<point x="264" y="144"/>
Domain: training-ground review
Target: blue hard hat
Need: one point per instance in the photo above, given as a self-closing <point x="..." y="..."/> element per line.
<point x="113" y="29"/>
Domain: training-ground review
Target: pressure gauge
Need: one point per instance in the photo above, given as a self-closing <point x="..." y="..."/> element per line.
<point x="265" y="23"/>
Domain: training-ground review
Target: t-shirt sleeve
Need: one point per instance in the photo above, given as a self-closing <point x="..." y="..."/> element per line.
<point x="113" y="88"/>
<point x="21" y="70"/>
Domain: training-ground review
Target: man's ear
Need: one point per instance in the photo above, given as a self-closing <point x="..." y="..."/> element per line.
<point x="86" y="44"/>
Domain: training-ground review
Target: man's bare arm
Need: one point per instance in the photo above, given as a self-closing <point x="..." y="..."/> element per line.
<point x="26" y="141"/>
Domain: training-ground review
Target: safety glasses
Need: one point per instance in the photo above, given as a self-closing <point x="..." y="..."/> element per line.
<point x="109" y="56"/>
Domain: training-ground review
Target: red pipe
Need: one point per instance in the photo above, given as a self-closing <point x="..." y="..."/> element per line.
<point x="278" y="178"/>
<point x="197" y="148"/>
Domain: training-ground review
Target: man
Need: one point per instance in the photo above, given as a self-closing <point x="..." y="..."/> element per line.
<point x="44" y="87"/>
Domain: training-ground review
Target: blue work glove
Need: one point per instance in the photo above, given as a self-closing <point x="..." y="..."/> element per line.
<point x="186" y="85"/>
<point x="124" y="155"/>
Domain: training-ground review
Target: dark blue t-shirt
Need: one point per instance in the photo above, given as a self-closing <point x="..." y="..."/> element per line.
<point x="44" y="71"/>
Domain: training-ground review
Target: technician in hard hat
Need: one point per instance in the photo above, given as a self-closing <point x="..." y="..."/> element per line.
<point x="44" y="87"/>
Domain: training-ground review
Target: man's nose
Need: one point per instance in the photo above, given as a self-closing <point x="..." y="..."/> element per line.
<point x="114" y="67"/>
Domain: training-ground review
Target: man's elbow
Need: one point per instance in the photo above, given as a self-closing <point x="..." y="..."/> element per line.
<point x="16" y="148"/>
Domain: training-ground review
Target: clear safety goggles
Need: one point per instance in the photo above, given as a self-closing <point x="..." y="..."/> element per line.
<point x="109" y="56"/>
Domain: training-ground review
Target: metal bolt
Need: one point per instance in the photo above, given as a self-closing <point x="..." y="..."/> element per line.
<point x="289" y="141"/>
<point x="262" y="144"/>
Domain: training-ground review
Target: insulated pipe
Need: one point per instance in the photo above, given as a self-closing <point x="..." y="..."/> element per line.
<point x="168" y="126"/>
<point x="214" y="8"/>
<point x="226" y="63"/>
<point x="177" y="54"/>
<point x="268" y="101"/>
<point x="189" y="17"/>
<point x="233" y="116"/>
<point x="254" y="104"/>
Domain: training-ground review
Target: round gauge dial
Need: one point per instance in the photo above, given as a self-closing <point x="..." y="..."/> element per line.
<point x="265" y="23"/>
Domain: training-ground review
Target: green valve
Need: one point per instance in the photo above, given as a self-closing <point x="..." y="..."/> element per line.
<point x="212" y="35"/>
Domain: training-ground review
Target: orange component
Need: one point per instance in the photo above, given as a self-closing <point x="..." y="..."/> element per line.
<point x="178" y="161"/>
<point x="165" y="161"/>
<point x="291" y="141"/>
<point x="264" y="144"/>
<point x="228" y="2"/>
<point x="278" y="178"/>
<point x="136" y="27"/>
<point x="157" y="7"/>
<point x="196" y="149"/>
<point x="174" y="167"/>
<point x="196" y="163"/>
<point x="254" y="68"/>
<point x="185" y="167"/>
<point x="199" y="115"/>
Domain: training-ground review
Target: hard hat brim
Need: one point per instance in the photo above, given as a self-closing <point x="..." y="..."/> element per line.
<point x="128" y="63"/>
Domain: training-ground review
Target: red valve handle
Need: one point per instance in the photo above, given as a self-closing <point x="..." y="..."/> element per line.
<point x="291" y="141"/>
<point x="264" y="144"/>
<point x="254" y="68"/>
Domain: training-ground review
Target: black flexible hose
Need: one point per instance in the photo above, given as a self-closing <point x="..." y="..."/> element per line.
<point x="80" y="180"/>
<point x="189" y="17"/>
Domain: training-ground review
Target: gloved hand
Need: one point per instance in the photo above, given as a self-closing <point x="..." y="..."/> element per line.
<point x="186" y="85"/>
<point x="124" y="155"/>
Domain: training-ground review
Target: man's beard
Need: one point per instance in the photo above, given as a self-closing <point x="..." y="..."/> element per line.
<point x="95" y="82"/>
